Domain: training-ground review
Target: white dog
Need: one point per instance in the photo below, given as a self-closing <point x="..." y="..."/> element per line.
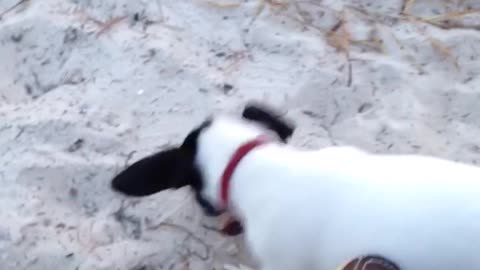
<point x="320" y="209"/>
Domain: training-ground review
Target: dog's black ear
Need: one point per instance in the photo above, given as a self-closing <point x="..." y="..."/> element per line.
<point x="270" y="119"/>
<point x="164" y="170"/>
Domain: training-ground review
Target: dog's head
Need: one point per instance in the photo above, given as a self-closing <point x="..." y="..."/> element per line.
<point x="200" y="159"/>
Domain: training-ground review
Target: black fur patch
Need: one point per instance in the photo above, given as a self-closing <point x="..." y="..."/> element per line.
<point x="169" y="169"/>
<point x="163" y="170"/>
<point x="268" y="118"/>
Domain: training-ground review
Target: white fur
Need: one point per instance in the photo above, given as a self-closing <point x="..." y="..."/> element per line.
<point x="318" y="209"/>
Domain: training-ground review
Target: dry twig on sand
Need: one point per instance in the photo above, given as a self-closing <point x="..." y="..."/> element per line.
<point x="339" y="37"/>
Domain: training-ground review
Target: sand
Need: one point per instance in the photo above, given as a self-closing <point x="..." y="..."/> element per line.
<point x="87" y="87"/>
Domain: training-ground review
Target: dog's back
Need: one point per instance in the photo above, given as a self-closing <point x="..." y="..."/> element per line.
<point x="323" y="208"/>
<point x="317" y="210"/>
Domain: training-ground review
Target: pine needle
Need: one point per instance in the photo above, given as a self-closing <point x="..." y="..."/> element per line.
<point x="259" y="9"/>
<point x="339" y="37"/>
<point x="446" y="21"/>
<point x="452" y="15"/>
<point x="407" y="5"/>
<point x="444" y="50"/>
<point x="13" y="7"/>
<point x="223" y="5"/>
<point x="110" y="24"/>
<point x="277" y="3"/>
<point x="440" y="47"/>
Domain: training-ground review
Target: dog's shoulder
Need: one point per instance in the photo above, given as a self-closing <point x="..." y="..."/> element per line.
<point x="331" y="156"/>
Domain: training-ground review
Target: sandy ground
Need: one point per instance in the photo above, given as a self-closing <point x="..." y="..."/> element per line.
<point x="89" y="86"/>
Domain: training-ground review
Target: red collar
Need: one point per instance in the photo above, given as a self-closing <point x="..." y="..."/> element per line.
<point x="241" y="152"/>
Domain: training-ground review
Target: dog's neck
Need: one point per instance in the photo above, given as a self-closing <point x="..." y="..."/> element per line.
<point x="217" y="146"/>
<point x="236" y="158"/>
